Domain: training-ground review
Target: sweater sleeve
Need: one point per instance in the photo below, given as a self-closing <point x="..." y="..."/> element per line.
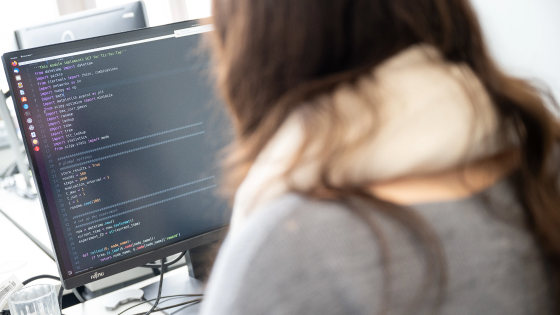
<point x="297" y="257"/>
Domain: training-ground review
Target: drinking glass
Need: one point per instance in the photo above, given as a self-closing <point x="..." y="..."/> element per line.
<point x="34" y="300"/>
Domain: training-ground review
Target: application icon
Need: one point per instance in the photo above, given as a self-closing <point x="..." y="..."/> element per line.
<point x="14" y="63"/>
<point x="20" y="85"/>
<point x="31" y="127"/>
<point x="33" y="135"/>
<point x="36" y="149"/>
<point x="18" y="77"/>
<point x="29" y="120"/>
<point x="24" y="99"/>
<point x="21" y="92"/>
<point x="35" y="142"/>
<point x="28" y="113"/>
<point x="16" y="70"/>
<point x="25" y="106"/>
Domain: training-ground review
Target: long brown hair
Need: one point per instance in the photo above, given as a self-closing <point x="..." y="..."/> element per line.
<point x="274" y="57"/>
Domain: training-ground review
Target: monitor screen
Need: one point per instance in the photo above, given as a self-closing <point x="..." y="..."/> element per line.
<point x="123" y="133"/>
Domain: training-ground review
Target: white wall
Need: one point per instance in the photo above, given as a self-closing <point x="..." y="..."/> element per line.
<point x="159" y="11"/>
<point x="524" y="37"/>
<point x="199" y="8"/>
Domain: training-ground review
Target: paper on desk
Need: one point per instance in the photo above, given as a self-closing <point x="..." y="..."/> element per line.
<point x="7" y="287"/>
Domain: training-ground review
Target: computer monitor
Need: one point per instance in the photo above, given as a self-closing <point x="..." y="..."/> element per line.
<point x="123" y="133"/>
<point x="85" y="24"/>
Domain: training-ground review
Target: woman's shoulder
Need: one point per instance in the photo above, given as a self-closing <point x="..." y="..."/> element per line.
<point x="297" y="221"/>
<point x="297" y="255"/>
<point x="300" y="255"/>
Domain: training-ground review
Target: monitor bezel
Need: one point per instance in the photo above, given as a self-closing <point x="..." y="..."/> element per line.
<point x="73" y="281"/>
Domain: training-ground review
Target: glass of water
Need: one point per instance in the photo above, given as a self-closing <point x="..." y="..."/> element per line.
<point x="34" y="300"/>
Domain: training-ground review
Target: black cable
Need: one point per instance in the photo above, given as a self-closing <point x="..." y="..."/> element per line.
<point x="40" y="277"/>
<point x="168" y="298"/>
<point x="165" y="264"/>
<point x="189" y="303"/>
<point x="165" y="267"/>
<point x="159" y="290"/>
<point x="78" y="295"/>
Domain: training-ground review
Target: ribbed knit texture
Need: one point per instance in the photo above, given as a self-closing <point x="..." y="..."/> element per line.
<point x="298" y="256"/>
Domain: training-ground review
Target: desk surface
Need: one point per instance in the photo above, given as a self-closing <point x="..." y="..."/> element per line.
<point x="21" y="257"/>
<point x="27" y="213"/>
<point x="96" y="307"/>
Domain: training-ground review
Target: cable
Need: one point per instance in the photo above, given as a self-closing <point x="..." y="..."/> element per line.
<point x="40" y="277"/>
<point x="78" y="295"/>
<point x="189" y="303"/>
<point x="168" y="298"/>
<point x="165" y="264"/>
<point x="159" y="290"/>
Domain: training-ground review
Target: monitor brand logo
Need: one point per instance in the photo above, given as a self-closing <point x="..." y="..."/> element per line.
<point x="98" y="275"/>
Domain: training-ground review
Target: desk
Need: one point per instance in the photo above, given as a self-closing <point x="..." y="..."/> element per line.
<point x="96" y="307"/>
<point x="18" y="251"/>
<point x="27" y="213"/>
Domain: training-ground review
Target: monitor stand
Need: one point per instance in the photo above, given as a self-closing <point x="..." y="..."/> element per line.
<point x="199" y="270"/>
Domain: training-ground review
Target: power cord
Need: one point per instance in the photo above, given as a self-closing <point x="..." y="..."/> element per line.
<point x="159" y="289"/>
<point x="165" y="264"/>
<point x="169" y="298"/>
<point x="78" y="295"/>
<point x="40" y="277"/>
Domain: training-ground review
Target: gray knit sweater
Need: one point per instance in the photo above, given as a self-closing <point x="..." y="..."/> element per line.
<point x="299" y="256"/>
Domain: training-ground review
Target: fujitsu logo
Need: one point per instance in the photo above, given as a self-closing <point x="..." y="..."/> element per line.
<point x="98" y="275"/>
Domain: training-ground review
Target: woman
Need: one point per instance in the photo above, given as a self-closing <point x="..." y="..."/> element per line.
<point x="383" y="164"/>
